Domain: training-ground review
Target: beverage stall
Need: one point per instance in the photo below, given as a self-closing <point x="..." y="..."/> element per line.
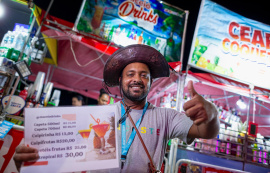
<point x="99" y="28"/>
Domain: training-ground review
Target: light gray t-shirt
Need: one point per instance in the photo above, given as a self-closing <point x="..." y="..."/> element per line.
<point x="157" y="127"/>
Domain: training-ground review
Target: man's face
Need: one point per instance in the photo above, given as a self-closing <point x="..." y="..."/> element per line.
<point x="103" y="100"/>
<point x="76" y="102"/>
<point x="136" y="81"/>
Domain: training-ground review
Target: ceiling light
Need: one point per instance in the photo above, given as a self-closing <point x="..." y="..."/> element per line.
<point x="2" y="10"/>
<point x="241" y="103"/>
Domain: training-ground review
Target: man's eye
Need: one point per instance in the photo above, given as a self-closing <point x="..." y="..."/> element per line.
<point x="144" y="75"/>
<point x="130" y="75"/>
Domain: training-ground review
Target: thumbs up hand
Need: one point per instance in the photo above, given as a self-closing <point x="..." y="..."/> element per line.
<point x="197" y="108"/>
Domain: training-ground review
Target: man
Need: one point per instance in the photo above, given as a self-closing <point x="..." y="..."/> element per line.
<point x="77" y="100"/>
<point x="133" y="69"/>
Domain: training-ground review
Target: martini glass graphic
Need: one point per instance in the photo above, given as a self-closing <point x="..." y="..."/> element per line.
<point x="86" y="133"/>
<point x="101" y="130"/>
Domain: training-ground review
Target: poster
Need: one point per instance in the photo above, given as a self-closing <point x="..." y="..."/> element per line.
<point x="71" y="139"/>
<point x="126" y="22"/>
<point x="230" y="45"/>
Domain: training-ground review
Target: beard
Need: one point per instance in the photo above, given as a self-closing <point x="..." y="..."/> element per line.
<point x="128" y="94"/>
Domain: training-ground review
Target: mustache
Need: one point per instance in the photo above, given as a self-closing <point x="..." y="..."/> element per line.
<point x="137" y="84"/>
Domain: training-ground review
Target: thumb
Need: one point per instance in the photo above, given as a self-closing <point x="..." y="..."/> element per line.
<point x="191" y="90"/>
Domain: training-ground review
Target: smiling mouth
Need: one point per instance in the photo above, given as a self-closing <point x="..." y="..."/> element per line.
<point x="136" y="87"/>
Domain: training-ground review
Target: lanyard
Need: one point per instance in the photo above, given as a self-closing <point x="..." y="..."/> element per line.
<point x="126" y="145"/>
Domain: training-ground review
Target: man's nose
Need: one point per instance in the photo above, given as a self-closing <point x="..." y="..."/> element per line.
<point x="137" y="78"/>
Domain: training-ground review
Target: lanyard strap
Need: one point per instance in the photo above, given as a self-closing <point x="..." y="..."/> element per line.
<point x="126" y="145"/>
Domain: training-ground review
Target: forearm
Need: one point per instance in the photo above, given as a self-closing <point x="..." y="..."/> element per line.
<point x="209" y="130"/>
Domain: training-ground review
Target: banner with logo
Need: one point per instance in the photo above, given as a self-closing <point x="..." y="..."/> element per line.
<point x="126" y="22"/>
<point x="231" y="45"/>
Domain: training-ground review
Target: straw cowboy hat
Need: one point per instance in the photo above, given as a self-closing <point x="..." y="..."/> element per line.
<point x="134" y="53"/>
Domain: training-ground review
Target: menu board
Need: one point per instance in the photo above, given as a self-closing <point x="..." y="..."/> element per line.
<point x="71" y="139"/>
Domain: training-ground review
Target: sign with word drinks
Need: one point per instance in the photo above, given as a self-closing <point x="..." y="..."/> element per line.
<point x="231" y="45"/>
<point x="126" y="22"/>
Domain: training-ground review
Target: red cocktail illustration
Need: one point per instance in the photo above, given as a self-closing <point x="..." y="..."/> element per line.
<point x="85" y="133"/>
<point x="101" y="130"/>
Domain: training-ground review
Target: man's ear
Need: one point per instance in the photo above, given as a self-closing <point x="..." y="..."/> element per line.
<point x="120" y="79"/>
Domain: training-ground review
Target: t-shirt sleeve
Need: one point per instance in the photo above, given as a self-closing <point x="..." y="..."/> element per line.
<point x="179" y="125"/>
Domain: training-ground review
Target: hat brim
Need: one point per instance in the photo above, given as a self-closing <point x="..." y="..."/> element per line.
<point x="134" y="53"/>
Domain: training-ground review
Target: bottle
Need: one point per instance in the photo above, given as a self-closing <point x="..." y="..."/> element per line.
<point x="40" y="52"/>
<point x="111" y="34"/>
<point x="254" y="152"/>
<point x="239" y="146"/>
<point x="260" y="154"/>
<point x="11" y="40"/>
<point x="217" y="145"/>
<point x="135" y="36"/>
<point x="40" y="103"/>
<point x="34" y="50"/>
<point x="106" y="34"/>
<point x="24" y="93"/>
<point x="265" y="153"/>
<point x="4" y="42"/>
<point x="149" y="41"/>
<point x="228" y="145"/>
<point x="31" y="102"/>
<point x="169" y="48"/>
<point x="129" y="32"/>
<point x="140" y="39"/>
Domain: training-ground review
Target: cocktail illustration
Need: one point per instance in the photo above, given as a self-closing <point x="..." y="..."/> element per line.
<point x="96" y="20"/>
<point x="86" y="133"/>
<point x="101" y="129"/>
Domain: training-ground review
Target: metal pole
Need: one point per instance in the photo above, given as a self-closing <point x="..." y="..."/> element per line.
<point x="246" y="137"/>
<point x="171" y="155"/>
<point x="48" y="74"/>
<point x="27" y="39"/>
<point x="176" y="141"/>
<point x="44" y="17"/>
<point x="180" y="92"/>
<point x="179" y="98"/>
<point x="184" y="40"/>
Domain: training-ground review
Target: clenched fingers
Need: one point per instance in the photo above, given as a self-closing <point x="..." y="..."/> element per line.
<point x="23" y="154"/>
<point x="25" y="149"/>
